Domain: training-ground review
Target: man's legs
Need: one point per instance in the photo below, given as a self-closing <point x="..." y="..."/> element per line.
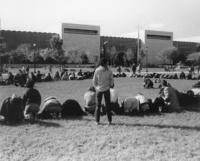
<point x="107" y="102"/>
<point x="98" y="107"/>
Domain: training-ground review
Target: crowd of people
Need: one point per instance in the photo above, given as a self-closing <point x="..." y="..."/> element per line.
<point x="29" y="106"/>
<point x="21" y="77"/>
<point x="168" y="99"/>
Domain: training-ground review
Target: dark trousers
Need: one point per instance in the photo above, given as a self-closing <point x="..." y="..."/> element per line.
<point x="107" y="107"/>
<point x="158" y="102"/>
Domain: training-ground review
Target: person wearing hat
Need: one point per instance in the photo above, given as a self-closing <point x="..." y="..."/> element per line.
<point x="31" y="100"/>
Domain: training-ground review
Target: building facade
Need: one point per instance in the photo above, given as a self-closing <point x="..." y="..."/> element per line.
<point x="185" y="48"/>
<point x="119" y="49"/>
<point x="80" y="40"/>
<point x="154" y="43"/>
<point x="14" y="39"/>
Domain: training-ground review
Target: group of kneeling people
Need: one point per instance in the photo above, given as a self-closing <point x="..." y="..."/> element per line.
<point x="168" y="100"/>
<point x="28" y="107"/>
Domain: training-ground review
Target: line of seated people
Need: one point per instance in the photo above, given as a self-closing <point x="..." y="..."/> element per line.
<point x="168" y="100"/>
<point x="21" y="77"/>
<point x="181" y="75"/>
<point x="148" y="83"/>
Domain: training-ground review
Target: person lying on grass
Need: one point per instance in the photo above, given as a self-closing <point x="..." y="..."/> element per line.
<point x="137" y="104"/>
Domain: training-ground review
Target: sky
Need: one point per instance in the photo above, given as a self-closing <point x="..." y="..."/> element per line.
<point x="115" y="17"/>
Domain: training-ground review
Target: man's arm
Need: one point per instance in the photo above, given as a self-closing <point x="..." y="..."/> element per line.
<point x="111" y="79"/>
<point x="95" y="79"/>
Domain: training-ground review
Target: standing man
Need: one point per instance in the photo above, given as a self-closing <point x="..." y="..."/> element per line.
<point x="134" y="68"/>
<point x="103" y="80"/>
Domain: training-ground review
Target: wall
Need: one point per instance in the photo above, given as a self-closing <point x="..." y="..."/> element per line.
<point x="155" y="44"/>
<point x="76" y="40"/>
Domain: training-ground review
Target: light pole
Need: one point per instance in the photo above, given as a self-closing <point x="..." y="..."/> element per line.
<point x="146" y="52"/>
<point x="104" y="48"/>
<point x="34" y="65"/>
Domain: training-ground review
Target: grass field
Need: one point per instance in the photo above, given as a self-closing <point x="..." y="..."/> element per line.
<point x="163" y="137"/>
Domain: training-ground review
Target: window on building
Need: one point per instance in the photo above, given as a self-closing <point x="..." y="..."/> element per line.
<point x="158" y="37"/>
<point x="80" y="31"/>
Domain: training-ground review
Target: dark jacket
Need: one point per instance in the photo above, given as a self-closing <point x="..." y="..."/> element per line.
<point x="32" y="96"/>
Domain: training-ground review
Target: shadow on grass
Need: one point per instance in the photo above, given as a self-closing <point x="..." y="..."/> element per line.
<point x="74" y="118"/>
<point x="37" y="122"/>
<point x="194" y="108"/>
<point x="195" y="128"/>
<point x="47" y="123"/>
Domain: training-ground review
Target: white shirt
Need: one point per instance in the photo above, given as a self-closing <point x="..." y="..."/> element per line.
<point x="90" y="99"/>
<point x="141" y="98"/>
<point x="113" y="95"/>
<point x="130" y="104"/>
<point x="103" y="79"/>
<point x="196" y="91"/>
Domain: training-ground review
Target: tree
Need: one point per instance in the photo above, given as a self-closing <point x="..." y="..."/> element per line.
<point x="120" y="59"/>
<point x="141" y="55"/>
<point x="112" y="52"/>
<point x="39" y="59"/>
<point x="84" y="58"/>
<point x="18" y="57"/>
<point x="130" y="56"/>
<point x="171" y="55"/>
<point x="194" y="58"/>
<point x="198" y="48"/>
<point x="4" y="57"/>
<point x="50" y="60"/>
<point x="56" y="45"/>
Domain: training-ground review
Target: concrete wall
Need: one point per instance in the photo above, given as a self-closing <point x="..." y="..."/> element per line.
<point x="76" y="40"/>
<point x="155" y="44"/>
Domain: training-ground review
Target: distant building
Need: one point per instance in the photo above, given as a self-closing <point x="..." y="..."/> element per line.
<point x="126" y="47"/>
<point x="81" y="40"/>
<point x="185" y="47"/>
<point x="155" y="42"/>
<point x="2" y="44"/>
<point x="15" y="38"/>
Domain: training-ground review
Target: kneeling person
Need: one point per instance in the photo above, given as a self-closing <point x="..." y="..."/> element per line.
<point x="90" y="100"/>
<point x="32" y="101"/>
<point x="114" y="101"/>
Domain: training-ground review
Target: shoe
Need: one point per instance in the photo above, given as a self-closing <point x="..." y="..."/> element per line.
<point x="97" y="123"/>
<point x="110" y="123"/>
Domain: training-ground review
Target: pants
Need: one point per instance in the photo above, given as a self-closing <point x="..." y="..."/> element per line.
<point x="115" y="108"/>
<point x="158" y="102"/>
<point x="107" y="108"/>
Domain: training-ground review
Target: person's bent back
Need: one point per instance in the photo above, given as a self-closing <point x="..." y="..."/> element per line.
<point x="31" y="99"/>
<point x="90" y="100"/>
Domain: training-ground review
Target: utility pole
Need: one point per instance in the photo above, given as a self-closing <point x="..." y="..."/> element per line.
<point x="1" y="48"/>
<point x="34" y="63"/>
<point x="146" y="53"/>
<point x="138" y="45"/>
